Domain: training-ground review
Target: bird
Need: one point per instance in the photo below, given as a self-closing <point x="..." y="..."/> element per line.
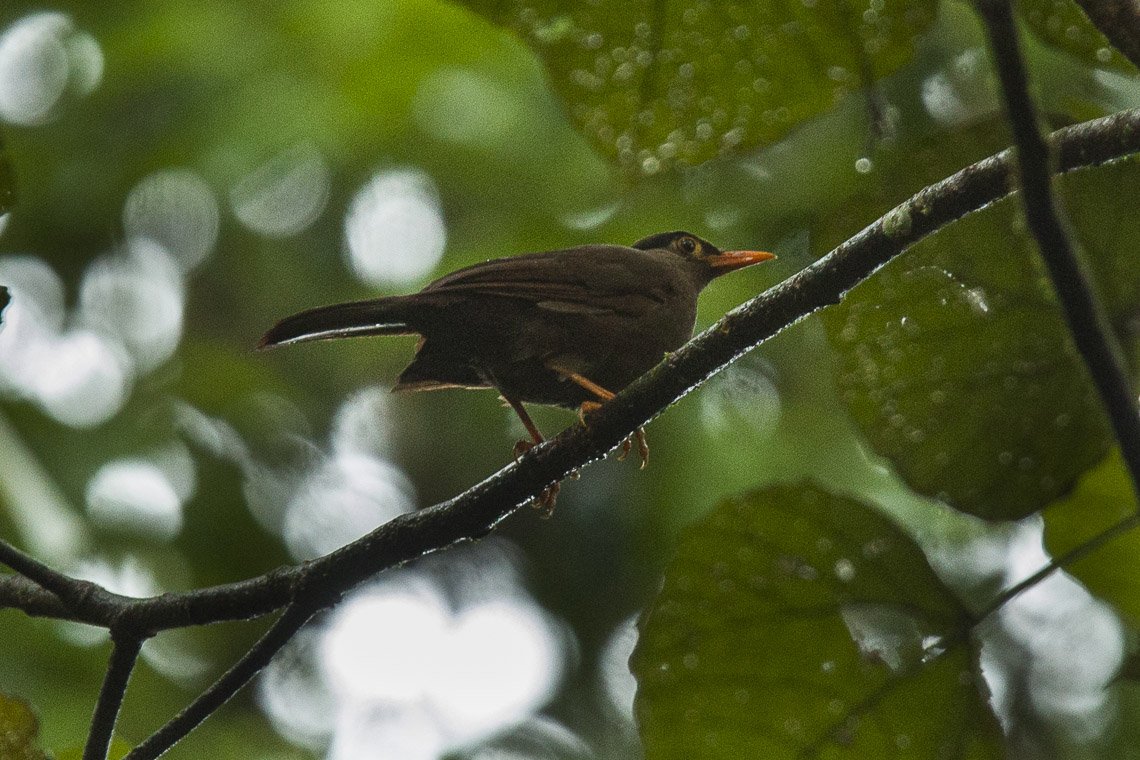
<point x="567" y="328"/>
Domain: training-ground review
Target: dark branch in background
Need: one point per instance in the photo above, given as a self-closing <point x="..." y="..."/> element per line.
<point x="1086" y="319"/>
<point x="319" y="584"/>
<point x="124" y="655"/>
<point x="1119" y="20"/>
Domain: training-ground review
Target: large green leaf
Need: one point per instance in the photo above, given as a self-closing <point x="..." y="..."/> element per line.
<point x="1103" y="498"/>
<point x="955" y="360"/>
<point x="655" y="82"/>
<point x="19" y="731"/>
<point x="1063" y="25"/>
<point x="796" y="623"/>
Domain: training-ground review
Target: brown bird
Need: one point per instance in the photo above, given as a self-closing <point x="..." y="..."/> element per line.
<point x="564" y="328"/>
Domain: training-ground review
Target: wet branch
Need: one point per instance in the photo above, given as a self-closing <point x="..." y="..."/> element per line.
<point x="475" y="512"/>
<point x="307" y="588"/>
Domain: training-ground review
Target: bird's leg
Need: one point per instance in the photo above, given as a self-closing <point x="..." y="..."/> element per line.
<point x="587" y="407"/>
<point x="545" y="501"/>
<point x="523" y="446"/>
<point x="590" y="406"/>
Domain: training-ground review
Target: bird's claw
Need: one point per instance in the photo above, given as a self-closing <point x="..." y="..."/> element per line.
<point x="522" y="447"/>
<point x="545" y="501"/>
<point x="642" y="447"/>
<point x="587" y="407"/>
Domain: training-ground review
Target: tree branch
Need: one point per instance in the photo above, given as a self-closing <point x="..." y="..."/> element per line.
<point x="81" y="597"/>
<point x="124" y="655"/>
<point x="1119" y="20"/>
<point x="315" y="585"/>
<point x="476" y="512"/>
<point x="1086" y="319"/>
<point x="259" y="655"/>
<point x="20" y="593"/>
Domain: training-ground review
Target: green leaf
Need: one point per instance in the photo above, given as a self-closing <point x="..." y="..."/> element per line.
<point x="1108" y="229"/>
<point x="7" y="180"/>
<point x="656" y="82"/>
<point x="955" y="360"/>
<point x="117" y="751"/>
<point x="1102" y="499"/>
<point x="796" y="623"/>
<point x="1063" y="25"/>
<point x="19" y="730"/>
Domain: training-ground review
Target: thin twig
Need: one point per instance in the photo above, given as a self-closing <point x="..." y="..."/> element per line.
<point x="1086" y="319"/>
<point x="124" y="655"/>
<point x="1077" y="553"/>
<point x="278" y="635"/>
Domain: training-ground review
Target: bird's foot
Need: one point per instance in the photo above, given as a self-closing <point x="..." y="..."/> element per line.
<point x="642" y="447"/>
<point x="587" y="407"/>
<point x="522" y="447"/>
<point x="545" y="501"/>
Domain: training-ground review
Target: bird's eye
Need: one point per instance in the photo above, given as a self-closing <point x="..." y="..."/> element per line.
<point x="687" y="244"/>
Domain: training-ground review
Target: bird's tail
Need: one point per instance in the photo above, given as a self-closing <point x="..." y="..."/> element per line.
<point x="382" y="316"/>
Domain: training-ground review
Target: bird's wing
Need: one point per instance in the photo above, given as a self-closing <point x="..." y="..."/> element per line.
<point x="587" y="280"/>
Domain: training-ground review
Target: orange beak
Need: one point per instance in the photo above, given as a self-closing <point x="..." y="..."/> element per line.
<point x="729" y="261"/>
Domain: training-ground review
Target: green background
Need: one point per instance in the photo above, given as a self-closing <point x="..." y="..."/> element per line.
<point x="772" y="137"/>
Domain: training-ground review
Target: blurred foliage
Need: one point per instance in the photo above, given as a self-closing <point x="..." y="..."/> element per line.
<point x="796" y="623"/>
<point x="529" y="136"/>
<point x="19" y="730"/>
<point x="660" y="82"/>
<point x="1064" y="25"/>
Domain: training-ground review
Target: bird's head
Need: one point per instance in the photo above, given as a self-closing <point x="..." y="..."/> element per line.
<point x="700" y="254"/>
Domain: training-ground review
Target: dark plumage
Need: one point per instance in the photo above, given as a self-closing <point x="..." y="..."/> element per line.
<point x="566" y="328"/>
